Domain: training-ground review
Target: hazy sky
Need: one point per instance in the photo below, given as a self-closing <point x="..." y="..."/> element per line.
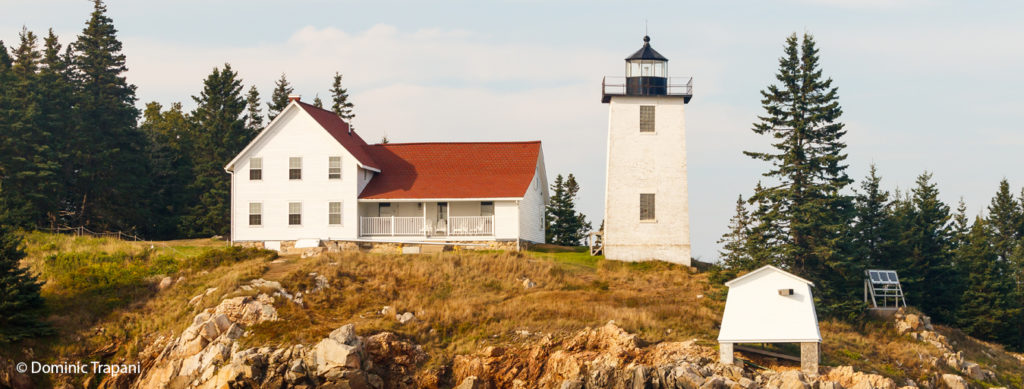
<point x="925" y="85"/>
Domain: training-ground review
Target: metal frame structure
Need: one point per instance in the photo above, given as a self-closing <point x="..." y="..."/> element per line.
<point x="884" y="286"/>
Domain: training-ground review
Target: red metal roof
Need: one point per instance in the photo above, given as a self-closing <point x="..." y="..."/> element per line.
<point x="452" y="170"/>
<point x="339" y="129"/>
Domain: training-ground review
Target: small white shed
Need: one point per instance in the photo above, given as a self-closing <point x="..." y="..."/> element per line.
<point x="769" y="305"/>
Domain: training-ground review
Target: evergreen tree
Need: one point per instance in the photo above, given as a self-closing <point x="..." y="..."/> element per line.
<point x="110" y="164"/>
<point x="766" y="239"/>
<point x="20" y="302"/>
<point x="317" y="102"/>
<point x="170" y="151"/>
<point x="565" y="226"/>
<point x="253" y="114"/>
<point x="59" y="121"/>
<point x="339" y="97"/>
<point x="988" y="309"/>
<point x="927" y="274"/>
<point x="279" y="99"/>
<point x="806" y="204"/>
<point x="873" y="233"/>
<point x="220" y="134"/>
<point x="960" y="228"/>
<point x="1004" y="219"/>
<point x="735" y="252"/>
<point x="26" y="161"/>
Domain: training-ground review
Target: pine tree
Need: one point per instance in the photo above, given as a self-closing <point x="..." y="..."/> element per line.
<point x="59" y="120"/>
<point x="988" y="309"/>
<point x="253" y="114"/>
<point x="25" y="172"/>
<point x="110" y="164"/>
<point x="20" y="302"/>
<point x="872" y="233"/>
<point x="960" y="227"/>
<point x="1004" y="219"/>
<point x="339" y="97"/>
<point x="806" y="204"/>
<point x="170" y="151"/>
<point x="317" y="102"/>
<point x="220" y="134"/>
<point x="766" y="238"/>
<point x="565" y="226"/>
<point x="735" y="252"/>
<point x="279" y="99"/>
<point x="927" y="272"/>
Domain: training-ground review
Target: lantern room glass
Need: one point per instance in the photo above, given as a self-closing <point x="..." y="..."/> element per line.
<point x="646" y="68"/>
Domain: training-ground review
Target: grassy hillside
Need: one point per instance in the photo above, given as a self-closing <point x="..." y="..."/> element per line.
<point x="103" y="300"/>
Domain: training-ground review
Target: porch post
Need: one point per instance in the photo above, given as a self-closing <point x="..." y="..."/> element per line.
<point x="448" y="221"/>
<point x="424" y="219"/>
<point x="392" y="225"/>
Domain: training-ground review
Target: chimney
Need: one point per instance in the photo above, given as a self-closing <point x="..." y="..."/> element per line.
<point x="292" y="98"/>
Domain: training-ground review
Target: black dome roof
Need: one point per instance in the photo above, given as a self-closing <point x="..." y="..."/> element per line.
<point x="647" y="52"/>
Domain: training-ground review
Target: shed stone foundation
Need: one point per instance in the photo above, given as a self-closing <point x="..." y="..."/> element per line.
<point x="725" y="352"/>
<point x="809" y="357"/>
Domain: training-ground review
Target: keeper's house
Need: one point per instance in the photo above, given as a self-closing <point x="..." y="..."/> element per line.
<point x="309" y="178"/>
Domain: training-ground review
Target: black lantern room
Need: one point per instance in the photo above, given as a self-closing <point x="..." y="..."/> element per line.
<point x="646" y="75"/>
<point x="646" y="72"/>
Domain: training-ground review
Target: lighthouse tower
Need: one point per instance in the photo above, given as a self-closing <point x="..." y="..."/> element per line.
<point x="646" y="209"/>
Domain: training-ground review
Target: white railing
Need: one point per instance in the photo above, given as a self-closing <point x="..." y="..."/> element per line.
<point x="471" y="225"/>
<point x="391" y="226"/>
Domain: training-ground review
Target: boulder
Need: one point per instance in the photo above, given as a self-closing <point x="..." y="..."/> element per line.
<point x="405" y="317"/>
<point x="470" y="382"/>
<point x="164" y="283"/>
<point x="954" y="381"/>
<point x="341" y="349"/>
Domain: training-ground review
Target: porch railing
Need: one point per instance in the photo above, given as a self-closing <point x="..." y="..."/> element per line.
<point x="416" y="226"/>
<point x="391" y="226"/>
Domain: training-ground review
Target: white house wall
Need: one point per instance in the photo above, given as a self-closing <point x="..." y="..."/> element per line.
<point x="295" y="134"/>
<point x="532" y="206"/>
<point x="756" y="313"/>
<point x="506" y="219"/>
<point x="646" y="163"/>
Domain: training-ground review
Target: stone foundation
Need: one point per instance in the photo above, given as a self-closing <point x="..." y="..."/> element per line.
<point x="337" y="246"/>
<point x="725" y="354"/>
<point x="809" y="357"/>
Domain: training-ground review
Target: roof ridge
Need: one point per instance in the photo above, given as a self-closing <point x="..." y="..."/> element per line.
<point x="456" y="143"/>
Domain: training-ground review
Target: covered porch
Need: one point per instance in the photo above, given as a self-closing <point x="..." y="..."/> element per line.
<point x="427" y="219"/>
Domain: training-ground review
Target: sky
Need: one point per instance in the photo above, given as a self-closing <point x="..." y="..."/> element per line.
<point x="924" y="85"/>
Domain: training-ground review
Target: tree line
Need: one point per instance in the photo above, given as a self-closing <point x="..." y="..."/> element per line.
<point x="73" y="151"/>
<point x="803" y="218"/>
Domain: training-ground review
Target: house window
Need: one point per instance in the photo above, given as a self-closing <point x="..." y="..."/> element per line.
<point x="255" y="214"/>
<point x="255" y="169"/>
<point x="294" y="214"/>
<point x="295" y="168"/>
<point x="334" y="213"/>
<point x="647" y="206"/>
<point x="384" y="209"/>
<point x="334" y="168"/>
<point x="486" y="208"/>
<point x="646" y="118"/>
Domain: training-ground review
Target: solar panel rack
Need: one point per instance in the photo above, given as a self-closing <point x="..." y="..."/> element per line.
<point x="884" y="290"/>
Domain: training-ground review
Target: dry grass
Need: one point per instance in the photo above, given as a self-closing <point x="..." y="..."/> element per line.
<point x="101" y="292"/>
<point x="465" y="301"/>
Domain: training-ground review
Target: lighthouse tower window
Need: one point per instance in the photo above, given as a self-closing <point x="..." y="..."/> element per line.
<point x="646" y="118"/>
